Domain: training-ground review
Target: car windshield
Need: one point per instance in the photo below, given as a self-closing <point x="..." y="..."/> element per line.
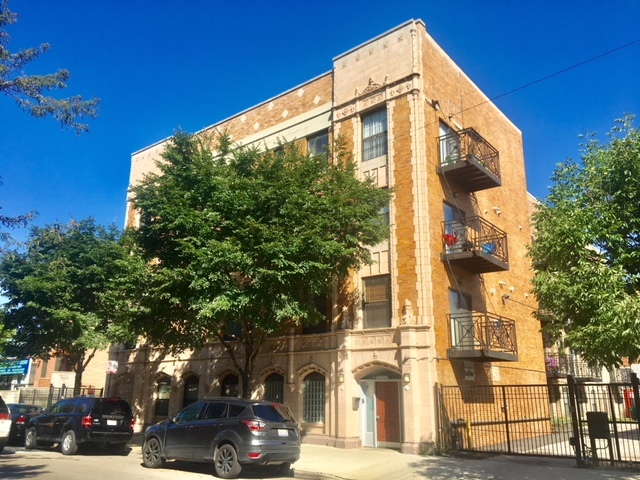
<point x="273" y="413"/>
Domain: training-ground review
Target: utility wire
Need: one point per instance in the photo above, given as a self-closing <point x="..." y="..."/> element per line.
<point x="559" y="72"/>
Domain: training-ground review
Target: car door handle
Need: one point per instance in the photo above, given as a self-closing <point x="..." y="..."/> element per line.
<point x="377" y="417"/>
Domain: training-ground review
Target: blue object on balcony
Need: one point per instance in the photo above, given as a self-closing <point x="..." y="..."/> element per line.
<point x="489" y="248"/>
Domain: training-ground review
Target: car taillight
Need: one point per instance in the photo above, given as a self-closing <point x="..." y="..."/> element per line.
<point x="132" y="423"/>
<point x="254" y="425"/>
<point x="87" y="421"/>
<point x="5" y="416"/>
<point x="21" y="420"/>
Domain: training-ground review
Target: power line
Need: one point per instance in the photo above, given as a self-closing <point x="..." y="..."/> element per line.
<point x="559" y="72"/>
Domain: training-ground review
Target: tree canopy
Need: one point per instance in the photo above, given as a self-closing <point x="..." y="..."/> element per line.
<point x="29" y="91"/>
<point x="60" y="292"/>
<point x="239" y="243"/>
<point x="586" y="250"/>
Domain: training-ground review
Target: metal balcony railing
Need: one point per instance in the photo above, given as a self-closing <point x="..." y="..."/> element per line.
<point x="475" y="244"/>
<point x="469" y="159"/>
<point x="483" y="337"/>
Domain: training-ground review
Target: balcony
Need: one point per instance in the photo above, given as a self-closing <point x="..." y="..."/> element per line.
<point x="475" y="245"/>
<point x="469" y="161"/>
<point x="559" y="365"/>
<point x="482" y="337"/>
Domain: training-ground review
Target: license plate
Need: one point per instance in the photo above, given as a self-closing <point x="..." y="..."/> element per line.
<point x="283" y="432"/>
<point x="112" y="422"/>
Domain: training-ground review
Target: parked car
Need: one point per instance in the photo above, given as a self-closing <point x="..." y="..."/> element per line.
<point x="21" y="413"/>
<point x="74" y="421"/>
<point x="228" y="432"/>
<point x="5" y="424"/>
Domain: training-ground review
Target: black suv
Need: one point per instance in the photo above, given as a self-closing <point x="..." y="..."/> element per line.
<point x="228" y="432"/>
<point x="74" y="421"/>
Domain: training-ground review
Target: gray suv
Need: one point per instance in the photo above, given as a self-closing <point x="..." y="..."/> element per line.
<point x="74" y="421"/>
<point x="228" y="432"/>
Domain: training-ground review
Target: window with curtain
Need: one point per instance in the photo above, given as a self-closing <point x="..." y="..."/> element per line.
<point x="318" y="143"/>
<point x="374" y="135"/>
<point x="377" y="301"/>
<point x="313" y="401"/>
<point x="163" y="391"/>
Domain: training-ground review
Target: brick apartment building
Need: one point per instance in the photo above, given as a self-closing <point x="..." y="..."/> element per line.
<point x="446" y="301"/>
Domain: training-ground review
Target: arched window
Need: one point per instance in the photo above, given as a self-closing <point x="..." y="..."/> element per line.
<point x="313" y="400"/>
<point x="163" y="390"/>
<point x="274" y="388"/>
<point x="229" y="386"/>
<point x="191" y="390"/>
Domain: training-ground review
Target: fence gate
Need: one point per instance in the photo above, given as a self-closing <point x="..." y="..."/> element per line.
<point x="595" y="423"/>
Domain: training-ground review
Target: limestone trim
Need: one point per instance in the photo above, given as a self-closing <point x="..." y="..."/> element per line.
<point x="376" y="94"/>
<point x="365" y="368"/>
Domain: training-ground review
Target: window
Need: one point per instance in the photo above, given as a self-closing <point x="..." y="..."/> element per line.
<point x="190" y="414"/>
<point x="229" y="386"/>
<point x="449" y="145"/>
<point x="374" y="135"/>
<point x="163" y="389"/>
<point x="322" y="305"/>
<point x="313" y="398"/>
<point x="215" y="410"/>
<point x="318" y="144"/>
<point x="274" y="388"/>
<point x="455" y="234"/>
<point x="377" y="301"/>
<point x="461" y="320"/>
<point x="190" y="394"/>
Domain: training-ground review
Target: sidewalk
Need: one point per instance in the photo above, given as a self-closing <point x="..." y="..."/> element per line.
<point x="328" y="463"/>
<point x="318" y="462"/>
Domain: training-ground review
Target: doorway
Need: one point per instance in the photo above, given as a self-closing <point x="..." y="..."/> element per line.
<point x="380" y="421"/>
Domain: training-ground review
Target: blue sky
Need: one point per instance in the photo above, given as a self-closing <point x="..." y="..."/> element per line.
<point x="161" y="65"/>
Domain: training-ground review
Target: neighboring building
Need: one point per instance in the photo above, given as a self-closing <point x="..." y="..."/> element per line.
<point x="446" y="301"/>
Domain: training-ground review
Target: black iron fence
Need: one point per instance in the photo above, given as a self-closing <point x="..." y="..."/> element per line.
<point x="45" y="397"/>
<point x="595" y="423"/>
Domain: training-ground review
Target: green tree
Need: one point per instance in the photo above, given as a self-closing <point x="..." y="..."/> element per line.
<point x="60" y="292"/>
<point x="586" y="251"/>
<point x="29" y="90"/>
<point x="239" y="243"/>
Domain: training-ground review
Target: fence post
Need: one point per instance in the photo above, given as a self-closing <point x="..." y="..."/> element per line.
<point x="50" y="398"/>
<point x="573" y="409"/>
<point x="636" y="397"/>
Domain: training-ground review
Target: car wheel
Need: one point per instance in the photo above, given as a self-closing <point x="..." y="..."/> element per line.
<point x="226" y="462"/>
<point x="151" y="453"/>
<point x="68" y="446"/>
<point x="30" y="439"/>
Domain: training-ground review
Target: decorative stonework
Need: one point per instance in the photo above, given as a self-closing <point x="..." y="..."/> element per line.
<point x="369" y="340"/>
<point x="301" y="92"/>
<point x="345" y="319"/>
<point x="243" y="118"/>
<point x="270" y="106"/>
<point x="407" y="314"/>
<point x="372" y="86"/>
<point x="256" y="126"/>
<point x="285" y="113"/>
<point x="317" y="99"/>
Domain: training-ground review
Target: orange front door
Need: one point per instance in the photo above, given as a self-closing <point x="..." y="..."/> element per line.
<point x="387" y="412"/>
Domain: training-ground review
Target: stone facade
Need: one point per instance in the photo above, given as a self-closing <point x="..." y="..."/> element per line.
<point x="378" y="384"/>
